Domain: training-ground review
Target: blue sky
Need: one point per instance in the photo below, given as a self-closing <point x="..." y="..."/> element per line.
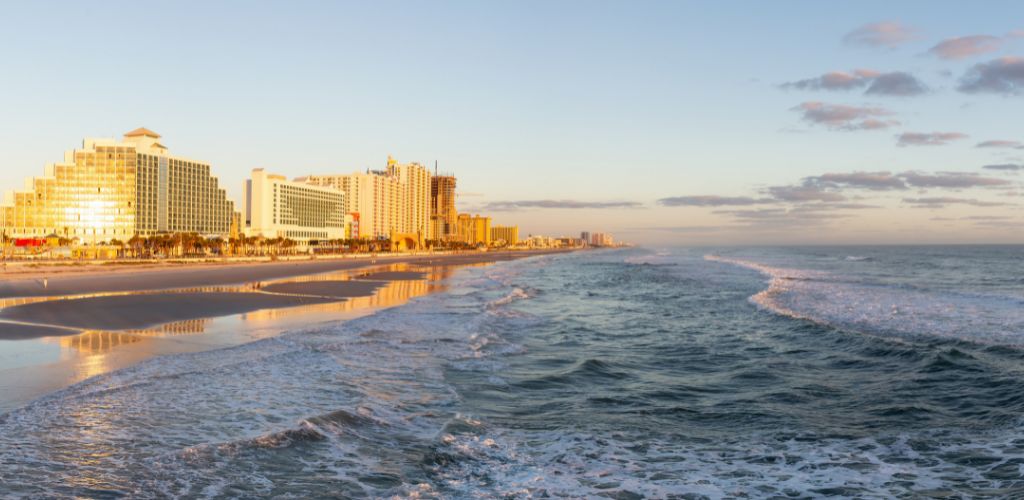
<point x="607" y="105"/>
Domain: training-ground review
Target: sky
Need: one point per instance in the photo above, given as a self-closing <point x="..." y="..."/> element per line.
<point x="664" y="123"/>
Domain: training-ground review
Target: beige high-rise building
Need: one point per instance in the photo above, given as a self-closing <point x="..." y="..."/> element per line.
<point x="509" y="235"/>
<point x="275" y="207"/>
<point x="474" y="230"/>
<point x="392" y="201"/>
<point x="415" y="204"/>
<point x="112" y="189"/>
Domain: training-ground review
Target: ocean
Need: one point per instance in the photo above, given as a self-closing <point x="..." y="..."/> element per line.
<point x="797" y="372"/>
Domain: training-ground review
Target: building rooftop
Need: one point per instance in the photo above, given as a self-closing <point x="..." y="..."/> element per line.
<point x="142" y="131"/>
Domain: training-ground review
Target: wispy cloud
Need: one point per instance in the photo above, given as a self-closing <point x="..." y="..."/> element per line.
<point x="805" y="192"/>
<point x="928" y="139"/>
<point x="712" y="201"/>
<point x="1011" y="167"/>
<point x="509" y="206"/>
<point x="882" y="34"/>
<point x="835" y="80"/>
<point x="842" y="117"/>
<point x="942" y="201"/>
<point x="998" y="76"/>
<point x="684" y="229"/>
<point x="966" y="46"/>
<point x="1000" y="144"/>
<point x="896" y="83"/>
<point x="875" y="181"/>
<point x="952" y="180"/>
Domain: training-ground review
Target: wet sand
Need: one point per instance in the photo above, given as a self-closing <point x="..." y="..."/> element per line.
<point x="335" y="289"/>
<point x="122" y="278"/>
<point x="393" y="276"/>
<point x="122" y="312"/>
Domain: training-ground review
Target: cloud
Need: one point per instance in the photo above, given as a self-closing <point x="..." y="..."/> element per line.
<point x="1011" y="167"/>
<point x="966" y="46"/>
<point x="1000" y="144"/>
<point x="509" y="206"/>
<point x="712" y="201"/>
<point x="876" y="181"/>
<point x="987" y="217"/>
<point x="804" y="192"/>
<point x="998" y="76"/>
<point x="942" y="201"/>
<point x="897" y="83"/>
<point x="682" y="229"/>
<point x="842" y="117"/>
<point x="883" y="34"/>
<point x="928" y="139"/>
<point x="836" y="80"/>
<point x="951" y="180"/>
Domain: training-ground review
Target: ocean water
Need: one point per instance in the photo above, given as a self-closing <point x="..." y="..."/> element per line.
<point x="679" y="373"/>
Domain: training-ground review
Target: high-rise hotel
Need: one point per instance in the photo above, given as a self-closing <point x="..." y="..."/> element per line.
<point x="389" y="202"/>
<point x="273" y="206"/>
<point x="117" y="189"/>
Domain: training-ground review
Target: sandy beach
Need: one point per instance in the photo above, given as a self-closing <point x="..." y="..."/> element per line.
<point x="90" y="320"/>
<point x="152" y="296"/>
<point x="77" y="280"/>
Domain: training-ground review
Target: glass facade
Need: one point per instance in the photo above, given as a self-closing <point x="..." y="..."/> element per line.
<point x="92" y="196"/>
<point x="115" y="190"/>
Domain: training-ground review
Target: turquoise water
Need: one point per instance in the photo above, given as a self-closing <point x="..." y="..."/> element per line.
<point x="786" y="372"/>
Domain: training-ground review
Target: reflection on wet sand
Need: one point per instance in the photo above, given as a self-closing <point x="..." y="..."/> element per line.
<point x="98" y="342"/>
<point x="44" y="364"/>
<point x="393" y="293"/>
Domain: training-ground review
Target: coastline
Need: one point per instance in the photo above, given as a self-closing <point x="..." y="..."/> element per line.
<point x="83" y="325"/>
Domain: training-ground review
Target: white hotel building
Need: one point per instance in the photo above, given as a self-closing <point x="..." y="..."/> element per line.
<point x="273" y="206"/>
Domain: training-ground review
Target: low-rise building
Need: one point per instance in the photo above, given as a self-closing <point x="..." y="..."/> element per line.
<point x="505" y="235"/>
<point x="474" y="230"/>
<point x="275" y="207"/>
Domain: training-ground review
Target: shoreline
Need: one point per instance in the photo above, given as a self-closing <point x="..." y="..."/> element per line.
<point x="57" y="341"/>
<point x="77" y="280"/>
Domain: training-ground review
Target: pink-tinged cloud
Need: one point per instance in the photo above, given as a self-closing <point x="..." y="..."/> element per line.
<point x="883" y="34"/>
<point x="1000" y="144"/>
<point x="998" y="76"/>
<point x="966" y="46"/>
<point x="896" y="83"/>
<point x="928" y="139"/>
<point x="843" y="117"/>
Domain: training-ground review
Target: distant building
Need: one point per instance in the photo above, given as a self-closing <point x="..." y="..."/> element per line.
<point x="509" y="235"/>
<point x="602" y="240"/>
<point x="443" y="217"/>
<point x="113" y="189"/>
<point x="275" y="207"/>
<point x="474" y="230"/>
<point x="396" y="200"/>
<point x="585" y="236"/>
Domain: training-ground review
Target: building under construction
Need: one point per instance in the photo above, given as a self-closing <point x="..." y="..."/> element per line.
<point x="443" y="218"/>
